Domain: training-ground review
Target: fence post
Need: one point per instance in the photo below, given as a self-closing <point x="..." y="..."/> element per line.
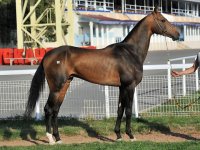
<point x="136" y="104"/>
<point x="197" y="79"/>
<point x="169" y="81"/>
<point x="184" y="80"/>
<point x="107" y="102"/>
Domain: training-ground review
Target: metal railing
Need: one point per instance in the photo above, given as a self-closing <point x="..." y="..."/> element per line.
<point x="139" y="9"/>
<point x="155" y="95"/>
<point x="94" y="5"/>
<point x="184" y="12"/>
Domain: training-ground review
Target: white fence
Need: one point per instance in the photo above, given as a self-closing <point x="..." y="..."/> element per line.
<point x="156" y="95"/>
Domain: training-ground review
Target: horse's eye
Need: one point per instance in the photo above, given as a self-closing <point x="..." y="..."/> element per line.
<point x="163" y="20"/>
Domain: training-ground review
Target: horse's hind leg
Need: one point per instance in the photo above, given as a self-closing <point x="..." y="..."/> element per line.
<point x="60" y="99"/>
<point x="51" y="112"/>
<point x="48" y="117"/>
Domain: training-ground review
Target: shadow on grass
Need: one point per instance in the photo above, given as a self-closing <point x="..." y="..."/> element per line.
<point x="26" y="129"/>
<point x="14" y="128"/>
<point x="165" y="130"/>
<point x="90" y="131"/>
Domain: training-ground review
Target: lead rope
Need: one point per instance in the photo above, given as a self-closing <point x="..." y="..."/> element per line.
<point x="174" y="90"/>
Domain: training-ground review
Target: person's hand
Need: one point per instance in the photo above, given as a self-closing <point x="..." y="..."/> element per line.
<point x="175" y="74"/>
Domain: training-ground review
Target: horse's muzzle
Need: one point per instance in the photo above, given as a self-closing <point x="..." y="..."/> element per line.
<point x="176" y="37"/>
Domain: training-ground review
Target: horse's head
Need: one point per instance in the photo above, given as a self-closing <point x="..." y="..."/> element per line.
<point x="162" y="26"/>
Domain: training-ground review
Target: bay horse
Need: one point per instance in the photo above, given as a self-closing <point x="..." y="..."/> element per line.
<point x="119" y="64"/>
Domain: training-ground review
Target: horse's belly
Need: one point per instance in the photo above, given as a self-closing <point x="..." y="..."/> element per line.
<point x="99" y="69"/>
<point x="110" y="81"/>
<point x="101" y="77"/>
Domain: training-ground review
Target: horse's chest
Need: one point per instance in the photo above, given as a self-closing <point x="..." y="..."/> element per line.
<point x="131" y="75"/>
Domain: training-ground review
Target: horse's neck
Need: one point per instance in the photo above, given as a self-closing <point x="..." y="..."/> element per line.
<point x="140" y="35"/>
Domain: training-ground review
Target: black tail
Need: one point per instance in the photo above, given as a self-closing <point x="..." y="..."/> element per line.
<point x="37" y="85"/>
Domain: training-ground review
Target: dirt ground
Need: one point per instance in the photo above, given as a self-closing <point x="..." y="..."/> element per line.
<point x="155" y="137"/>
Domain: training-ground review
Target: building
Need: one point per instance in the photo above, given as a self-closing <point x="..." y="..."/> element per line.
<point x="103" y="22"/>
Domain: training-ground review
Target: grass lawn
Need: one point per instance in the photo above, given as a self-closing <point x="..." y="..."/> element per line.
<point x="187" y="105"/>
<point x="22" y="129"/>
<point x="115" y="146"/>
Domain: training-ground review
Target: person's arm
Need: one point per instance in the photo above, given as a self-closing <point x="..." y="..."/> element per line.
<point x="190" y="70"/>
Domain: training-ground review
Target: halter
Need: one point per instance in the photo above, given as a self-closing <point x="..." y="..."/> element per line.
<point x="163" y="30"/>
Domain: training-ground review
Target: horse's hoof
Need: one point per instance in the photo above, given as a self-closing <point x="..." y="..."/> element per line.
<point x="50" y="137"/>
<point x="59" y="142"/>
<point x="133" y="139"/>
<point x="52" y="143"/>
<point x="119" y="140"/>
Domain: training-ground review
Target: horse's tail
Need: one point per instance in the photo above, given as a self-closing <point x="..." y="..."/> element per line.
<point x="37" y="85"/>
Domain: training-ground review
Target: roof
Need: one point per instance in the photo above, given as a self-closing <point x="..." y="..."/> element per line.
<point x="103" y="19"/>
<point x="196" y="1"/>
<point x="130" y="19"/>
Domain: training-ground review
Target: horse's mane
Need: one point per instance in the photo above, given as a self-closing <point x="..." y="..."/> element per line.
<point x="133" y="30"/>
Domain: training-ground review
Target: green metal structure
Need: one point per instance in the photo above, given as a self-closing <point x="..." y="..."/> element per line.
<point x="31" y="29"/>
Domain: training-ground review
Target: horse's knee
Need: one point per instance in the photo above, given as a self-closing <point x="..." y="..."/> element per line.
<point x="48" y="111"/>
<point x="55" y="113"/>
<point x="128" y="113"/>
<point x="120" y="112"/>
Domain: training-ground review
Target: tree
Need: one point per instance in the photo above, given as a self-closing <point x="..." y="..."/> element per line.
<point x="8" y="21"/>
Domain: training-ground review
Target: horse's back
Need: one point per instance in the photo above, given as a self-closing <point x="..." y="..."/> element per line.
<point x="108" y="66"/>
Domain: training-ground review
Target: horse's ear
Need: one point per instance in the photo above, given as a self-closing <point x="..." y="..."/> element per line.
<point x="156" y="8"/>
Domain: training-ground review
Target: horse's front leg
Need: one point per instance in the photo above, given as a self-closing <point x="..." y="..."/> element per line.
<point x="120" y="112"/>
<point x="128" y="111"/>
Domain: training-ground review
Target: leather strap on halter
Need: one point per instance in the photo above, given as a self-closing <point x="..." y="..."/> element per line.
<point x="163" y="31"/>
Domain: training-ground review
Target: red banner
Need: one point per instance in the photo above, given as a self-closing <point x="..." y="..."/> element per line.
<point x="16" y="56"/>
<point x="7" y="55"/>
<point x="19" y="60"/>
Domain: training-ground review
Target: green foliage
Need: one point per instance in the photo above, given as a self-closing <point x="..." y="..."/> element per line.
<point x="5" y="2"/>
<point x="50" y="34"/>
<point x="8" y="21"/>
<point x="43" y="5"/>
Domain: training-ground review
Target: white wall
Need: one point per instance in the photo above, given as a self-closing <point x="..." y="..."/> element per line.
<point x="114" y="32"/>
